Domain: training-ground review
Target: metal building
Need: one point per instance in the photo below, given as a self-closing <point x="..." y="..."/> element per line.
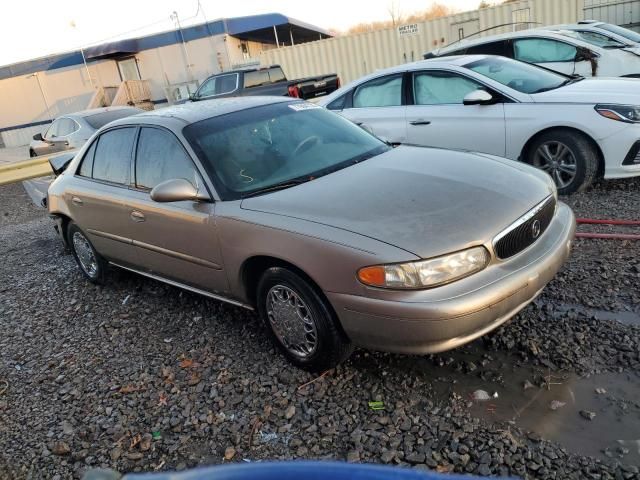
<point x="352" y="56"/>
<point x="144" y="71"/>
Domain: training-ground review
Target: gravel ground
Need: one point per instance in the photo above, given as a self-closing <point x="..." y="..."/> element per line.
<point x="140" y="376"/>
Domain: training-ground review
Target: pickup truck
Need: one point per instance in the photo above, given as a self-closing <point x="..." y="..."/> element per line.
<point x="264" y="81"/>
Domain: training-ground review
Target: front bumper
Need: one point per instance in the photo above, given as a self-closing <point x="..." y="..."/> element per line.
<point x="434" y="322"/>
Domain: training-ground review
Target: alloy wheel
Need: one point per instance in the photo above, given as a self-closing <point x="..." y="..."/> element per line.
<point x="85" y="254"/>
<point x="557" y="160"/>
<point x="292" y="321"/>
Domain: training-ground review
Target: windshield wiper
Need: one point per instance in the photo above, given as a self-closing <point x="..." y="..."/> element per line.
<point x="276" y="187"/>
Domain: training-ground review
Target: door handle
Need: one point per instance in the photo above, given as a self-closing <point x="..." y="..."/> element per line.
<point x="137" y="216"/>
<point x="420" y="122"/>
<point x="76" y="200"/>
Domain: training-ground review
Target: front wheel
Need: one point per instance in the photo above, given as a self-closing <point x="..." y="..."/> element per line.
<point x="92" y="265"/>
<point x="568" y="157"/>
<point x="300" y="321"/>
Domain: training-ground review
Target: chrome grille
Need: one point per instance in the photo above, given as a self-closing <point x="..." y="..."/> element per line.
<point x="526" y="230"/>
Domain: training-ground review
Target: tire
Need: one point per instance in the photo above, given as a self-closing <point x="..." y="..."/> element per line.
<point x="94" y="268"/>
<point x="580" y="152"/>
<point x="278" y="289"/>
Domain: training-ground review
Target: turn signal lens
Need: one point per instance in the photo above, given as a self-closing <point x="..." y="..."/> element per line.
<point x="621" y="113"/>
<point x="426" y="273"/>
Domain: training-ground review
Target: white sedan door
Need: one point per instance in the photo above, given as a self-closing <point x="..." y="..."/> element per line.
<point x="438" y="117"/>
<point x="377" y="106"/>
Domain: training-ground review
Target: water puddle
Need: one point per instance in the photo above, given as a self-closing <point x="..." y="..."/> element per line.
<point x="597" y="416"/>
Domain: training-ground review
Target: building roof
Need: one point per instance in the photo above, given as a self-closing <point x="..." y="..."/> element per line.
<point x="258" y="28"/>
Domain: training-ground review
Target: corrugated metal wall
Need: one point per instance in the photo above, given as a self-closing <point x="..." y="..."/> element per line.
<point x="620" y="12"/>
<point x="352" y="56"/>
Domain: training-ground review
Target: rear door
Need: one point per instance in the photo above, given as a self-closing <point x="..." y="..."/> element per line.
<point x="378" y="105"/>
<point x="98" y="196"/>
<point x="553" y="54"/>
<point x="437" y="116"/>
<point x="261" y="82"/>
<point x="175" y="240"/>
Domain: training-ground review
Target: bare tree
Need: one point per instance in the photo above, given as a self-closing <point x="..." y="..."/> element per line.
<point x="394" y="13"/>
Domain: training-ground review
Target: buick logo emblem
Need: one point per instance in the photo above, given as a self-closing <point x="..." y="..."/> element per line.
<point x="535" y="229"/>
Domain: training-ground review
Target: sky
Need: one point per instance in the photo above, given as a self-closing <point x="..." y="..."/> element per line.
<point x="35" y="28"/>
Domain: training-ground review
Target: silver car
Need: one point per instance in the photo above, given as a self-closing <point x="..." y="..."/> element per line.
<point x="334" y="237"/>
<point x="71" y="131"/>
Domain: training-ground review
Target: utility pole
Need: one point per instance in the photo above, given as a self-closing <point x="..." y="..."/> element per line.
<point x="44" y="99"/>
<point x="174" y="17"/>
<point x="84" y="60"/>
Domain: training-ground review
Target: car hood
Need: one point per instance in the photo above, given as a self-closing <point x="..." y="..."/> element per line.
<point x="425" y="201"/>
<point x="594" y="90"/>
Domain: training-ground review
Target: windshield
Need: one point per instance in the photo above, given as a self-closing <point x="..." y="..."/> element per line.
<point x="522" y="77"/>
<point x="593" y="38"/>
<point x="261" y="148"/>
<point x="623" y="32"/>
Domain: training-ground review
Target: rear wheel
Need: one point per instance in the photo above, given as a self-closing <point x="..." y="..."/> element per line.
<point x="568" y="157"/>
<point x="300" y="321"/>
<point x="92" y="265"/>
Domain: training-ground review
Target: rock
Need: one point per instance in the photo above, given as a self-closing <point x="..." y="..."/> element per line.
<point x="145" y="443"/>
<point x="387" y="456"/>
<point x="587" y="414"/>
<point x="115" y="454"/>
<point x="480" y="396"/>
<point x="135" y="456"/>
<point x="290" y="412"/>
<point x="415" y="457"/>
<point x="229" y="453"/>
<point x="353" y="456"/>
<point x="556" y="404"/>
<point x="60" y="448"/>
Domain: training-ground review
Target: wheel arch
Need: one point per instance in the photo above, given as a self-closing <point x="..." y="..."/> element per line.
<point x="62" y="226"/>
<point x="524" y="153"/>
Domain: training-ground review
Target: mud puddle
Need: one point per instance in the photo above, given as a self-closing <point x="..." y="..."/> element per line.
<point x="626" y="317"/>
<point x="597" y="416"/>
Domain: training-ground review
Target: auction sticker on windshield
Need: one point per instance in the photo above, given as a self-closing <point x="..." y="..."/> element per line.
<point x="303" y="106"/>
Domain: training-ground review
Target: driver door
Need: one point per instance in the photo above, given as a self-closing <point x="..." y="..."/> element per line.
<point x="439" y="118"/>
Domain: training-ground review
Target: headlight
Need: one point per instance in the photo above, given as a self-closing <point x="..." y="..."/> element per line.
<point x="426" y="273"/>
<point x="621" y="113"/>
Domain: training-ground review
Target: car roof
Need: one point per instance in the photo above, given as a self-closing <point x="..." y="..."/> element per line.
<point x="465" y="43"/>
<point x="196" y="111"/>
<point x="93" y="111"/>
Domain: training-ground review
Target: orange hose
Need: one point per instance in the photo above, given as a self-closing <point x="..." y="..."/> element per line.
<point x="591" y="221"/>
<point x="608" y="236"/>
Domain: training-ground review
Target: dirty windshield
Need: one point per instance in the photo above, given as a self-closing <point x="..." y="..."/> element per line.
<point x="277" y="145"/>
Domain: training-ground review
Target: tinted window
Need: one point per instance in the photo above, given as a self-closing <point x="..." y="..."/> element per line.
<point x="338" y="103"/>
<point x="381" y="92"/>
<point x="99" y="120"/>
<point x="112" y="160"/>
<point x="86" y="166"/>
<point x="208" y="88"/>
<point x="542" y="50"/>
<point x="161" y="157"/>
<point x="253" y="149"/>
<point x="53" y="129"/>
<point x="493" y="48"/>
<point x="276" y="75"/>
<point x="623" y="32"/>
<point x="436" y="88"/>
<point x="256" y="78"/>
<point x="226" y="84"/>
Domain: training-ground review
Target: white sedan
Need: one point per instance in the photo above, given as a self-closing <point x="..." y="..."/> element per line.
<point x="574" y="129"/>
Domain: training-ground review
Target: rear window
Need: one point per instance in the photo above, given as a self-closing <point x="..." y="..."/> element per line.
<point x="276" y="75"/>
<point x="256" y="78"/>
<point x="99" y="120"/>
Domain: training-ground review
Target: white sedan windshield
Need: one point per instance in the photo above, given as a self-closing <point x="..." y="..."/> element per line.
<point x="520" y="76"/>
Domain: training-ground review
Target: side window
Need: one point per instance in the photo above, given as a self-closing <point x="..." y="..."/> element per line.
<point x="207" y="88"/>
<point x="53" y="130"/>
<point x="160" y="157"/>
<point x="338" y="103"/>
<point x="256" y="78"/>
<point x="492" y="48"/>
<point x="543" y="50"/>
<point x="86" y="167"/>
<point x="276" y="75"/>
<point x="438" y="88"/>
<point x="112" y="159"/>
<point x="226" y="84"/>
<point x="380" y="92"/>
<point x="66" y="127"/>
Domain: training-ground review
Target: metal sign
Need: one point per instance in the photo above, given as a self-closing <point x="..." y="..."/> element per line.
<point x="411" y="29"/>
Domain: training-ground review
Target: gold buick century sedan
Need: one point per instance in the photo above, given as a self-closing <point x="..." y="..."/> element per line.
<point x="334" y="237"/>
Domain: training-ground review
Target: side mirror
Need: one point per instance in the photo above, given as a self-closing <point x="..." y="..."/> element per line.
<point x="478" y="97"/>
<point x="38" y="137"/>
<point x="177" y="190"/>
